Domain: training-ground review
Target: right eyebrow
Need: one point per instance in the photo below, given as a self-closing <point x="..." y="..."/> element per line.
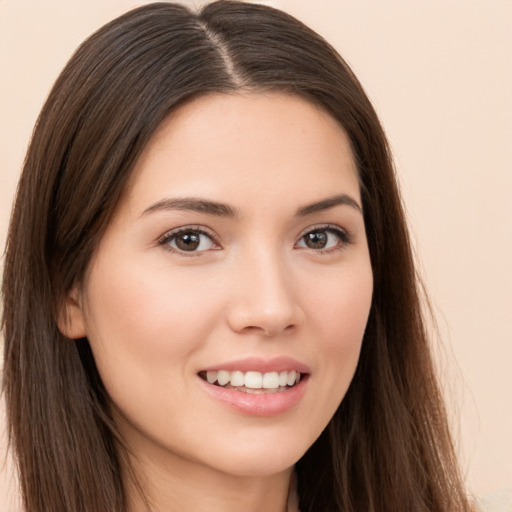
<point x="195" y="205"/>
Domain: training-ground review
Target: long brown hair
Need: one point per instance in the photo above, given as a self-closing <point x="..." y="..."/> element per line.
<point x="387" y="447"/>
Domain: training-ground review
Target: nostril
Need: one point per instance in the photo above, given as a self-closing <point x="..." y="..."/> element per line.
<point x="269" y="332"/>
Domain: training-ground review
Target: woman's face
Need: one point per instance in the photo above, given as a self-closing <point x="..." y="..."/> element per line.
<point x="238" y="254"/>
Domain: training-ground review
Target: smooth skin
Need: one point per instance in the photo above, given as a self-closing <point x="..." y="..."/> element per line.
<point x="264" y="275"/>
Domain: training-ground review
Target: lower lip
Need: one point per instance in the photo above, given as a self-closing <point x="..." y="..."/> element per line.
<point x="264" y="404"/>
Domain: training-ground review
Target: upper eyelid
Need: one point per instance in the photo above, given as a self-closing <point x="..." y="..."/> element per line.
<point x="345" y="236"/>
<point x="325" y="227"/>
<point x="183" y="229"/>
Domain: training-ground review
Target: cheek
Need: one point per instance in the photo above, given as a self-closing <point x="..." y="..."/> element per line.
<point x="144" y="319"/>
<point x="342" y="307"/>
<point x="340" y="316"/>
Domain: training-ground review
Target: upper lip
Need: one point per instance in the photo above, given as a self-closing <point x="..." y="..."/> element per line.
<point x="258" y="364"/>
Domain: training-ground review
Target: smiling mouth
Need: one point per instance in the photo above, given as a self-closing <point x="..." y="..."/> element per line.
<point x="253" y="382"/>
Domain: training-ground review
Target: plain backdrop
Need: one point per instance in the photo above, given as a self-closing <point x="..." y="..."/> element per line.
<point x="439" y="73"/>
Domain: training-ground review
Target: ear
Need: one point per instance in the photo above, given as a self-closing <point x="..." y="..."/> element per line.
<point x="71" y="321"/>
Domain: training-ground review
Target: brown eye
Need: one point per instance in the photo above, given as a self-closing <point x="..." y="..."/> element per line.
<point x="190" y="241"/>
<point x="324" y="239"/>
<point x="316" y="240"/>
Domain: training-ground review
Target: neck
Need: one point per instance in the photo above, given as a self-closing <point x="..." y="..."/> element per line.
<point x="187" y="486"/>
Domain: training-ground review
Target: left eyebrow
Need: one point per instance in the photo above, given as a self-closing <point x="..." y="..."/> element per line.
<point x="327" y="204"/>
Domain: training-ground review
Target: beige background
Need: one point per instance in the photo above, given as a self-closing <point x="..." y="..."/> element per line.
<point x="440" y="75"/>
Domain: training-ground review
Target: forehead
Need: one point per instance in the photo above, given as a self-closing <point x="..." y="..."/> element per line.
<point x="230" y="146"/>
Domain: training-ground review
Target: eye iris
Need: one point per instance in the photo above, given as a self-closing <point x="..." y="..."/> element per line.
<point x="316" y="239"/>
<point x="188" y="241"/>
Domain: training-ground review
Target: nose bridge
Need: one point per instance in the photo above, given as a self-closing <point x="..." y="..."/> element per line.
<point x="265" y="298"/>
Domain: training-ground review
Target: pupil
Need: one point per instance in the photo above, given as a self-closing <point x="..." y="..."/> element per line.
<point x="188" y="241"/>
<point x="316" y="239"/>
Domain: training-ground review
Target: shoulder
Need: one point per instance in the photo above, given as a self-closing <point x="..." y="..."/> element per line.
<point x="498" y="501"/>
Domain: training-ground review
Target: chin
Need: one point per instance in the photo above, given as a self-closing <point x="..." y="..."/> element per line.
<point x="263" y="458"/>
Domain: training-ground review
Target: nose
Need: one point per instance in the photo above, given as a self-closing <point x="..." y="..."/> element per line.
<point x="265" y="298"/>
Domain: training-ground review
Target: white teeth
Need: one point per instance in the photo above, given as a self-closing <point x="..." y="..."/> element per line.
<point x="254" y="380"/>
<point x="271" y="380"/>
<point x="223" y="377"/>
<point x="237" y="378"/>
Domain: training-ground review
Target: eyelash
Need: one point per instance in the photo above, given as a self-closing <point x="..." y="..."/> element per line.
<point x="345" y="238"/>
<point x="165" y="240"/>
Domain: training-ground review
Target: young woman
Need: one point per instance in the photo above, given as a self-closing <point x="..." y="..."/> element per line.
<point x="209" y="296"/>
